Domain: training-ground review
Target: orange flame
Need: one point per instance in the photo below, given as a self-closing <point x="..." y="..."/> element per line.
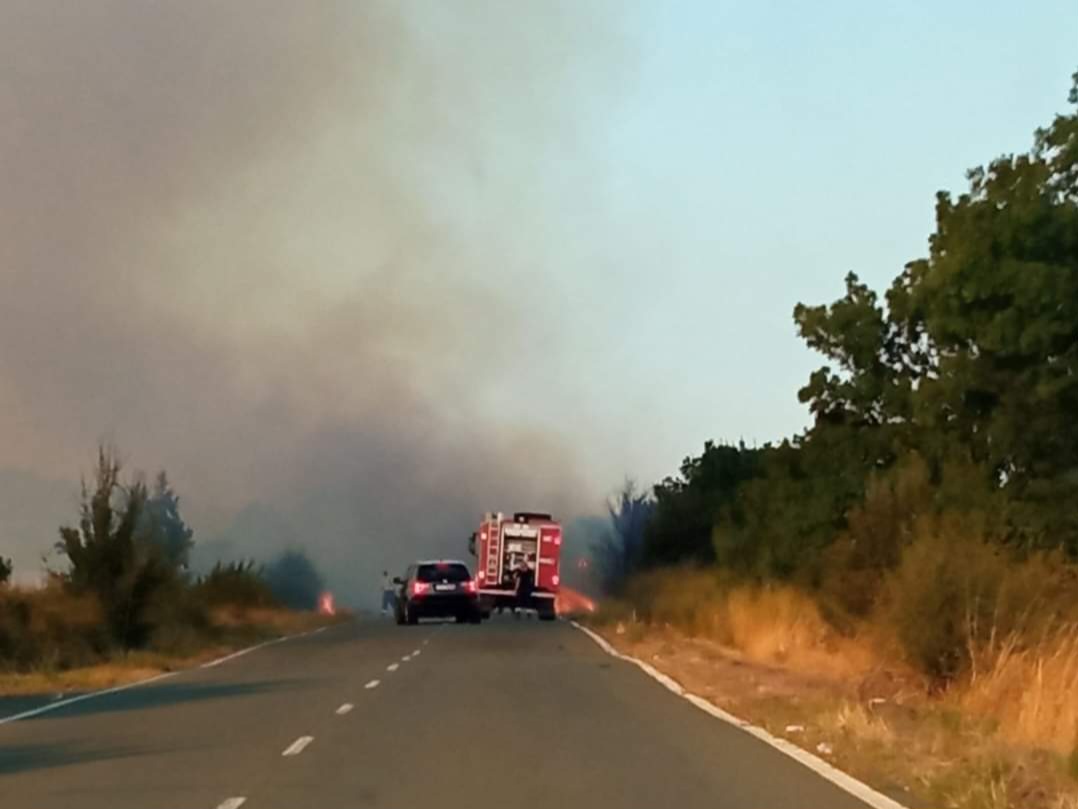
<point x="570" y="601"/>
<point x="326" y="605"/>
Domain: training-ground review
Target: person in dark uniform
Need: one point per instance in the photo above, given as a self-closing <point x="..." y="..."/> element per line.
<point x="525" y="584"/>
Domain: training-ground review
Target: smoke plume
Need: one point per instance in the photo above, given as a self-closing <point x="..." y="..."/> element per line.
<point x="298" y="255"/>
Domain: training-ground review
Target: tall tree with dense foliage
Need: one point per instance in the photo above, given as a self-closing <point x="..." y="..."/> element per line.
<point x="106" y="556"/>
<point x="162" y="525"/>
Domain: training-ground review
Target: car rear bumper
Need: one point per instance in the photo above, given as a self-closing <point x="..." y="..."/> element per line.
<point x="442" y="606"/>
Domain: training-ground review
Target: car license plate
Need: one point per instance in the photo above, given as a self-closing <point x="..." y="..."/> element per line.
<point x="441" y="588"/>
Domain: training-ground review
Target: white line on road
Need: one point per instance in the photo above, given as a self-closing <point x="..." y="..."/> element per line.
<point x="822" y="768"/>
<point x="372" y="684"/>
<point x="348" y="706"/>
<point x="232" y="803"/>
<point x="298" y="746"/>
<point x="52" y="706"/>
<point x="240" y="653"/>
<point x="416" y="652"/>
<point x="393" y="666"/>
<point x="406" y="658"/>
<point x="320" y="630"/>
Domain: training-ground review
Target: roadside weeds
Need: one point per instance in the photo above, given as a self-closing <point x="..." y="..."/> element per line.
<point x="237" y="629"/>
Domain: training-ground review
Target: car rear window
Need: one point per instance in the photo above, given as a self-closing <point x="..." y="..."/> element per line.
<point x="447" y="572"/>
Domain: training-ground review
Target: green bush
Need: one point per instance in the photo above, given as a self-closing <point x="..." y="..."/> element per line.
<point x="954" y="594"/>
<point x="240" y="584"/>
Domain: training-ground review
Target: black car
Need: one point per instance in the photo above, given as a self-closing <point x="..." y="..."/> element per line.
<point x="437" y="589"/>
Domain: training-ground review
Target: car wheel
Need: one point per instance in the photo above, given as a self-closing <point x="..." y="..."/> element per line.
<point x="411" y="617"/>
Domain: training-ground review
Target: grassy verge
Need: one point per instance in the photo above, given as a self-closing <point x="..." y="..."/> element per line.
<point x="995" y="739"/>
<point x="230" y="629"/>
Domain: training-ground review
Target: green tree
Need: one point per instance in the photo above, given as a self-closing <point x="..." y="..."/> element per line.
<point x="106" y="557"/>
<point x="618" y="551"/>
<point x="294" y="580"/>
<point x="686" y="506"/>
<point x="162" y="525"/>
<point x="973" y="363"/>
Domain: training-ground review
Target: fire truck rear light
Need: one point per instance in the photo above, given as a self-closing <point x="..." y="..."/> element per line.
<point x="482" y="574"/>
<point x="556" y="580"/>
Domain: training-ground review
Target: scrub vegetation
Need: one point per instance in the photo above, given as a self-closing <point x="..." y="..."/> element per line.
<point x="124" y="600"/>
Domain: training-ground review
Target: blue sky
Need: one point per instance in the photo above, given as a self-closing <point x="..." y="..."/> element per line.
<point x="767" y="149"/>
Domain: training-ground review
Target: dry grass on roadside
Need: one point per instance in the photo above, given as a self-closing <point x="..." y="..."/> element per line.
<point x="232" y="628"/>
<point x="1031" y="690"/>
<point x="775" y="625"/>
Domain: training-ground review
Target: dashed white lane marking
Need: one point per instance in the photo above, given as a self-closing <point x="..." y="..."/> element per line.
<point x="426" y="642"/>
<point x="406" y="658"/>
<point x="415" y="653"/>
<point x="348" y="706"/>
<point x="232" y="803"/>
<point x="822" y="768"/>
<point x="320" y="630"/>
<point x="298" y="746"/>
<point x="372" y="684"/>
<point x="393" y="666"/>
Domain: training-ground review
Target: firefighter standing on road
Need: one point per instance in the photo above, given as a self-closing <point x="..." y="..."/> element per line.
<point x="525" y="582"/>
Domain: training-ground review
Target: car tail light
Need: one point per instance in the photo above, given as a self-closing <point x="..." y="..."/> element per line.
<point x="470" y="586"/>
<point x="419" y="588"/>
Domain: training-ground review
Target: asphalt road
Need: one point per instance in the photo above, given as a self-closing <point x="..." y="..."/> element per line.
<point x="507" y="714"/>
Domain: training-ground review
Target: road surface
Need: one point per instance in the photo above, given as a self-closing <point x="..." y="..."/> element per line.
<point x="373" y="715"/>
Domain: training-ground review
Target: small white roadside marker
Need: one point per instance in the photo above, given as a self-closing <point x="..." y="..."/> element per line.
<point x="347" y="707"/>
<point x="393" y="666"/>
<point x="298" y="746"/>
<point x="372" y="684"/>
<point x="232" y="803"/>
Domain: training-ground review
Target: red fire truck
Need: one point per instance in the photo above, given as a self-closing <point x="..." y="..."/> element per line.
<point x="505" y="546"/>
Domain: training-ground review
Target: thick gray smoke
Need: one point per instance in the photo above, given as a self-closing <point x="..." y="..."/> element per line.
<point x="297" y="254"/>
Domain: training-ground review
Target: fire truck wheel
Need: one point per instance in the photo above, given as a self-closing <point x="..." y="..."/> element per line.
<point x="547" y="613"/>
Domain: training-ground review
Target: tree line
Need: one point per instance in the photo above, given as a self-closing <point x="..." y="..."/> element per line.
<point x="945" y="416"/>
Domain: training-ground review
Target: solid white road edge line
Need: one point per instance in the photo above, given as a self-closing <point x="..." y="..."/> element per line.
<point x="372" y="684"/>
<point x="393" y="666"/>
<point x="60" y="703"/>
<point x="232" y="803"/>
<point x="348" y="706"/>
<point x="52" y="706"/>
<point x="298" y="746"/>
<point x="822" y="768"/>
<point x="242" y="652"/>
